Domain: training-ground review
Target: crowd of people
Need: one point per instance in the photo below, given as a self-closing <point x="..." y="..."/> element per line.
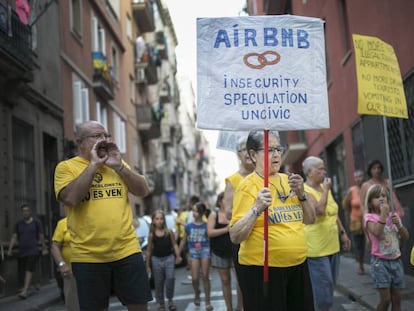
<point x="281" y="242"/>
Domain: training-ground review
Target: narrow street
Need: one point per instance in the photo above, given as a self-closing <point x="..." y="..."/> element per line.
<point x="184" y="297"/>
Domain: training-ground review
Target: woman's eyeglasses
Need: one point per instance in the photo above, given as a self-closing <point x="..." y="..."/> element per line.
<point x="272" y="151"/>
<point x="98" y="136"/>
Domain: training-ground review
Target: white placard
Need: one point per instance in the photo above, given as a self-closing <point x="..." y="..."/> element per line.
<point x="228" y="140"/>
<point x="261" y="72"/>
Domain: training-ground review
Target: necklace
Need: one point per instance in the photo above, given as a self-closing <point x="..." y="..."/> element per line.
<point x="282" y="197"/>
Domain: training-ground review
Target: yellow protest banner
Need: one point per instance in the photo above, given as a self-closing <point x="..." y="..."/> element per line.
<point x="380" y="88"/>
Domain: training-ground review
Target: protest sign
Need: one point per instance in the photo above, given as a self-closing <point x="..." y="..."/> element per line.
<point x="261" y="72"/>
<point x="228" y="140"/>
<point x="380" y="88"/>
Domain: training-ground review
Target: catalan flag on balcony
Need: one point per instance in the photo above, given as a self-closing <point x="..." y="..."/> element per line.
<point x="98" y="60"/>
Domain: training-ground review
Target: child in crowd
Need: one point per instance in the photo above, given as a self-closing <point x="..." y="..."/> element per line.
<point x="221" y="248"/>
<point x="199" y="250"/>
<point x="384" y="230"/>
<point x="160" y="253"/>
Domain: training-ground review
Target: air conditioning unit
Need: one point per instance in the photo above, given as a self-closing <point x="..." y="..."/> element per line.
<point x="140" y="77"/>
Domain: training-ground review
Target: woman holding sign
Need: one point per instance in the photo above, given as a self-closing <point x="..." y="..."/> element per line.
<point x="289" y="286"/>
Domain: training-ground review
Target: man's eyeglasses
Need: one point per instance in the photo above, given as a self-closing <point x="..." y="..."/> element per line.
<point x="272" y="151"/>
<point x="98" y="136"/>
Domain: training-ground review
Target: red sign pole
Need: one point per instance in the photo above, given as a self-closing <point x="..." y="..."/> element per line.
<point x="266" y="213"/>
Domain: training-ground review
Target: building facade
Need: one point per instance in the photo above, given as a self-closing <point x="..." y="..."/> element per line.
<point x="353" y="140"/>
<point x="65" y="62"/>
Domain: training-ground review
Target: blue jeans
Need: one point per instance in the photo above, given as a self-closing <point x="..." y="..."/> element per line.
<point x="323" y="273"/>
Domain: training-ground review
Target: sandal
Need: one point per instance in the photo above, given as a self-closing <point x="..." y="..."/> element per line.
<point x="197" y="299"/>
<point x="172" y="306"/>
<point x="22" y="295"/>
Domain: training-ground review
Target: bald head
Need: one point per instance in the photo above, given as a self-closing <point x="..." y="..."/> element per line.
<point x="86" y="127"/>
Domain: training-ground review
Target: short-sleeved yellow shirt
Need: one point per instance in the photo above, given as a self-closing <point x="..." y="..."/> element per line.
<point x="101" y="225"/>
<point x="62" y="236"/>
<point x="286" y="231"/>
<point x="323" y="236"/>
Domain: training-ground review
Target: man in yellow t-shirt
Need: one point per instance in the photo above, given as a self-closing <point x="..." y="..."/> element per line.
<point x="94" y="188"/>
<point x="61" y="253"/>
<point x="323" y="236"/>
<point x="245" y="168"/>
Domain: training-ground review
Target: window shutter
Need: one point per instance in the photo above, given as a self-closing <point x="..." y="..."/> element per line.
<point x="77" y="103"/>
<point x="95" y="34"/>
<point x="85" y="104"/>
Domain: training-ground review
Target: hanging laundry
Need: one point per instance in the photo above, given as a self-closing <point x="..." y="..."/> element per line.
<point x="23" y="11"/>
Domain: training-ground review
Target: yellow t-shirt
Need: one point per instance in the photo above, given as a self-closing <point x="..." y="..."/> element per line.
<point x="62" y="236"/>
<point x="181" y="227"/>
<point x="322" y="236"/>
<point x="234" y="179"/>
<point x="286" y="234"/>
<point x="101" y="225"/>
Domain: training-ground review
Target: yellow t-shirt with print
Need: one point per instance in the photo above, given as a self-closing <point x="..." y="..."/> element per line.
<point x="286" y="234"/>
<point x="61" y="235"/>
<point x="234" y="179"/>
<point x="181" y="227"/>
<point x="101" y="225"/>
<point x="323" y="236"/>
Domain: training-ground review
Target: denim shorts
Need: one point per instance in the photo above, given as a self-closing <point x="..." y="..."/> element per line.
<point x="221" y="262"/>
<point x="126" y="278"/>
<point x="387" y="273"/>
<point x="199" y="253"/>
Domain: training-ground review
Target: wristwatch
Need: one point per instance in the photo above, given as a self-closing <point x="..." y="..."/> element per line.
<point x="304" y="198"/>
<point x="255" y="212"/>
<point x="61" y="264"/>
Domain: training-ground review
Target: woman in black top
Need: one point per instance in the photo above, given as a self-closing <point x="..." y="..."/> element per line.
<point x="160" y="252"/>
<point x="221" y="248"/>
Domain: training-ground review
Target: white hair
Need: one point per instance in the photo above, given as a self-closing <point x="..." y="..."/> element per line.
<point x="309" y="163"/>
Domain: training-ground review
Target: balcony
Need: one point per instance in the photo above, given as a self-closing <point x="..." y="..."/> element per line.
<point x="16" y="57"/>
<point x="143" y="15"/>
<point x="161" y="44"/>
<point x="148" y="124"/>
<point x="102" y="79"/>
<point x="165" y="92"/>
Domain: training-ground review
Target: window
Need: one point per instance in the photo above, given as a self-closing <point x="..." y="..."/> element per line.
<point x="135" y="154"/>
<point x="119" y="133"/>
<point x="401" y="137"/>
<point x="114" y="64"/>
<point x="23" y="164"/>
<point x="114" y="7"/>
<point x="129" y="27"/>
<point x="80" y="102"/>
<point x="76" y="16"/>
<point x="132" y="89"/>
<point x="102" y="115"/>
<point x="343" y="15"/>
<point x="358" y="146"/>
<point x="98" y="36"/>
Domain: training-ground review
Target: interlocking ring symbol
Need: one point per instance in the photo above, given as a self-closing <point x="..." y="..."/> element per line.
<point x="262" y="60"/>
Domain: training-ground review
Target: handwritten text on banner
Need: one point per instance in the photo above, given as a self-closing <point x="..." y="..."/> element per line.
<point x="380" y="88"/>
<point x="261" y="72"/>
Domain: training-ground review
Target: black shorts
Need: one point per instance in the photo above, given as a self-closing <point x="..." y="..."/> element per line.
<point x="126" y="278"/>
<point x="289" y="288"/>
<point x="28" y="263"/>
